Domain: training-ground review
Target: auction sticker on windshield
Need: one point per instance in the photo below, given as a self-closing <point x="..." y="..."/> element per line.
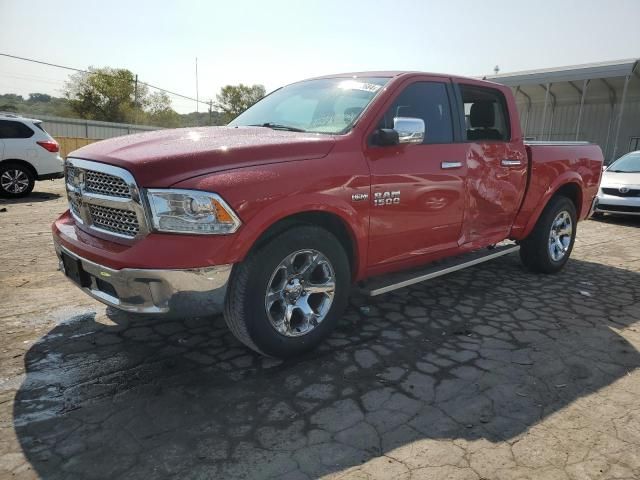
<point x="355" y="85"/>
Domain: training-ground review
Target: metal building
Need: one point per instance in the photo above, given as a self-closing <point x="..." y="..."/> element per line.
<point x="598" y="102"/>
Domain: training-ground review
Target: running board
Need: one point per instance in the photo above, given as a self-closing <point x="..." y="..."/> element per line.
<point x="394" y="281"/>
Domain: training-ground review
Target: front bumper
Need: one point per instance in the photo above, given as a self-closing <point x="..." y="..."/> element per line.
<point x="199" y="291"/>
<point x="617" y="204"/>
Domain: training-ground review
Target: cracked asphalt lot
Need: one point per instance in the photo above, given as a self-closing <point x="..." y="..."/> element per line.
<point x="489" y="373"/>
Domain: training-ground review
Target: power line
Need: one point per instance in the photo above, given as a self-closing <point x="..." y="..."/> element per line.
<point x="32" y="78"/>
<point x="94" y="73"/>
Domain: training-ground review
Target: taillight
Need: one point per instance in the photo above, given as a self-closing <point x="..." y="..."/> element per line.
<point x="49" y="145"/>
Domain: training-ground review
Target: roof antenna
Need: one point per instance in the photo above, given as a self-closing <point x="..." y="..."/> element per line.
<point x="496" y="70"/>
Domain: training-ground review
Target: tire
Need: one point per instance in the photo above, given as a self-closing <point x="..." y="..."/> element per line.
<point x="265" y="272"/>
<point x="16" y="180"/>
<point x="537" y="252"/>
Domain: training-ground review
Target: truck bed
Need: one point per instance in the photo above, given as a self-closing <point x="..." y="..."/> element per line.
<point x="574" y="166"/>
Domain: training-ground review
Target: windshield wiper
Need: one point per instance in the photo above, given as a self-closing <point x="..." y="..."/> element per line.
<point x="278" y="126"/>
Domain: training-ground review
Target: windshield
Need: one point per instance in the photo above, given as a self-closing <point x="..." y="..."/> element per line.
<point x="629" y="163"/>
<point x="329" y="105"/>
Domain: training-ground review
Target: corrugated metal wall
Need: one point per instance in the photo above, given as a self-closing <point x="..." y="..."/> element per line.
<point x="598" y="123"/>
<point x="70" y="127"/>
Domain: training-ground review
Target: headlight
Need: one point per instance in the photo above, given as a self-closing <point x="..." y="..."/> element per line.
<point x="190" y="211"/>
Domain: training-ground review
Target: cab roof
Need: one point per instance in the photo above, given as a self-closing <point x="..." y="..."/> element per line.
<point x="394" y="74"/>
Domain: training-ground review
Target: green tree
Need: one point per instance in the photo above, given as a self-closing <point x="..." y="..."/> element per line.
<point x="12" y="97"/>
<point x="107" y="94"/>
<point x="111" y="95"/>
<point x="36" y="104"/>
<point x="39" y="97"/>
<point x="159" y="112"/>
<point x="235" y="99"/>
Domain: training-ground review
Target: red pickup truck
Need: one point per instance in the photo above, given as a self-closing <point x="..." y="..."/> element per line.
<point x="378" y="179"/>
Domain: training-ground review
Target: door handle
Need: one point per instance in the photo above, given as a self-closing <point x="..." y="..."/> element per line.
<point x="446" y="165"/>
<point x="508" y="162"/>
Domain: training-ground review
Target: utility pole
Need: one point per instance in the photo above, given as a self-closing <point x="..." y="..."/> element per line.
<point x="210" y="112"/>
<point x="135" y="97"/>
<point x="197" y="97"/>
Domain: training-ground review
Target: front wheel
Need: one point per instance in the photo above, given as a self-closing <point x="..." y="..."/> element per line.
<point x="288" y="295"/>
<point x="549" y="245"/>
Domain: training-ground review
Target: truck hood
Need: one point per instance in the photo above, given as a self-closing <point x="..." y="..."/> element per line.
<point x="163" y="157"/>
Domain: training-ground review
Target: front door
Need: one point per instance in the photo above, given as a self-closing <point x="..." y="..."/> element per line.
<point x="417" y="189"/>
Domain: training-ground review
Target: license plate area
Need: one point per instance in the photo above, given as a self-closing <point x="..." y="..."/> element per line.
<point x="73" y="270"/>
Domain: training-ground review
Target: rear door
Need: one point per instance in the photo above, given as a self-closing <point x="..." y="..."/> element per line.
<point x="418" y="190"/>
<point x="496" y="164"/>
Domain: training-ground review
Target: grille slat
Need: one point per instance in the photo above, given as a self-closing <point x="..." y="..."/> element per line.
<point x="116" y="220"/>
<point x="69" y="173"/>
<point x="74" y="204"/>
<point x="105" y="184"/>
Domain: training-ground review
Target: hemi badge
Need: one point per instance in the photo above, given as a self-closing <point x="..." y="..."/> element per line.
<point x="359" y="197"/>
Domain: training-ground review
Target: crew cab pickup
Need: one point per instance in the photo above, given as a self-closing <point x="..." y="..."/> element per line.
<point x="377" y="180"/>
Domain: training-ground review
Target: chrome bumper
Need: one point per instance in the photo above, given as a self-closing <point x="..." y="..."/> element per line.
<point x="197" y="291"/>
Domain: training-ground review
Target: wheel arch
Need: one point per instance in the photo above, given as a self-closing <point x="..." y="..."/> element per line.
<point x="327" y="220"/>
<point x="24" y="163"/>
<point x="569" y="186"/>
<point x="573" y="192"/>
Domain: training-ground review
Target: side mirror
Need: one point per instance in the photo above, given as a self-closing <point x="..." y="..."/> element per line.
<point x="386" y="137"/>
<point x="410" y="130"/>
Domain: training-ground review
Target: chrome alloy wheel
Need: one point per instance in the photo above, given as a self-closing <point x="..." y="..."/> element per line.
<point x="300" y="293"/>
<point x="560" y="236"/>
<point x="14" y="181"/>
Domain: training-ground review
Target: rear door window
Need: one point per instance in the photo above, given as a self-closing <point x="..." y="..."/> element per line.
<point x="39" y="125"/>
<point x="11" y="129"/>
<point x="485" y="114"/>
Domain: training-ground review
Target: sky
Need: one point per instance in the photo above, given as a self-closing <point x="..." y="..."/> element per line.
<point x="278" y="42"/>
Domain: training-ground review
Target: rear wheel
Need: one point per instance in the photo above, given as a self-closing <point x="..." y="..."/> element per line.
<point x="288" y="295"/>
<point x="16" y="180"/>
<point x="549" y="245"/>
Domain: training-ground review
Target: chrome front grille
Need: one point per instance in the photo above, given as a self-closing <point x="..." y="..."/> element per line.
<point x="105" y="184"/>
<point x="104" y="200"/>
<point x="116" y="220"/>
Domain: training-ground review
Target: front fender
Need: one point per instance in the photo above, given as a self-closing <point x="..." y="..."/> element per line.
<point x="263" y="196"/>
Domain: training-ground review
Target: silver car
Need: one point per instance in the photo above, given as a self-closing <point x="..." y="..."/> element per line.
<point x="620" y="186"/>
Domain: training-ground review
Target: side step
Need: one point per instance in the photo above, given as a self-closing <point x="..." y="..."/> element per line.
<point x="394" y="281"/>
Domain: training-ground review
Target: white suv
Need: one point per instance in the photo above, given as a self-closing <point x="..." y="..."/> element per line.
<point x="27" y="154"/>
